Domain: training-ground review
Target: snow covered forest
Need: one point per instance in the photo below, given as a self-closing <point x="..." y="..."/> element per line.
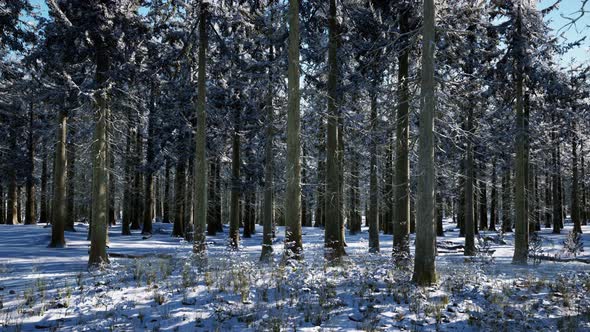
<point x="294" y="165"/>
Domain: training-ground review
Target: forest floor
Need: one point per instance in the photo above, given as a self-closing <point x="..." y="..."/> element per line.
<point x="51" y="289"/>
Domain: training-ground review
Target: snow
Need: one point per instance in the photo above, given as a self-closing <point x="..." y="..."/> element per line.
<point x="170" y="290"/>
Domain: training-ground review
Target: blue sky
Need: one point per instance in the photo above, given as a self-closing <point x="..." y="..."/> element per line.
<point x="567" y="8"/>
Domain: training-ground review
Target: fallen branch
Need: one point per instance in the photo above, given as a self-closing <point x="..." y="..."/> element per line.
<point x="560" y="259"/>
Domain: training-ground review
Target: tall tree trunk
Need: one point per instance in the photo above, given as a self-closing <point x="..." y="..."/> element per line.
<point x="200" y="208"/>
<point x="470" y="222"/>
<point x="333" y="241"/>
<point x="548" y="198"/>
<point x="166" y="194"/>
<point x="30" y="213"/>
<point x="219" y="207"/>
<point x="43" y="215"/>
<point x="293" y="242"/>
<point x="59" y="184"/>
<point x="401" y="218"/>
<point x="483" y="204"/>
<point x="320" y="212"/>
<point x="521" y="215"/>
<point x="439" y="215"/>
<point x="19" y="200"/>
<point x="557" y="214"/>
<point x="12" y="217"/>
<point x="137" y="181"/>
<point x="355" y="204"/>
<point x="100" y="176"/>
<point x="575" y="183"/>
<point x="373" y="215"/>
<point x="189" y="202"/>
<point x="212" y="208"/>
<point x="424" y="268"/>
<point x="507" y="202"/>
<point x="461" y="199"/>
<point x="267" y="213"/>
<point x="71" y="155"/>
<point x="128" y="189"/>
<point x="234" y="221"/>
<point x="149" y="167"/>
<point x="179" y="186"/>
<point x="494" y="199"/>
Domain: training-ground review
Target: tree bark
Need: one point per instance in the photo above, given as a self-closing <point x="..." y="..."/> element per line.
<point x="506" y="202"/>
<point x="30" y="212"/>
<point x="43" y="215"/>
<point x="470" y="222"/>
<point x="494" y="199"/>
<point x="179" y="186"/>
<point x="424" y="267"/>
<point x="521" y="215"/>
<point x="293" y="242"/>
<point x="59" y="184"/>
<point x="200" y="209"/>
<point x="71" y="192"/>
<point x="373" y="215"/>
<point x="234" y="219"/>
<point x="334" y="245"/>
<point x="401" y="219"/>
<point x="575" y="183"/>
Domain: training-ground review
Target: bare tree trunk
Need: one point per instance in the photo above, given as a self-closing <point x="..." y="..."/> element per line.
<point x="320" y="213"/>
<point x="71" y="211"/>
<point x="234" y="221"/>
<point x="43" y="215"/>
<point x="212" y="208"/>
<point x="59" y="184"/>
<point x="557" y="214"/>
<point x="575" y="183"/>
<point x="521" y="215"/>
<point x="293" y="241"/>
<point x="267" y="213"/>
<point x="334" y="245"/>
<point x="401" y="218"/>
<point x="494" y="199"/>
<point x="166" y="194"/>
<point x="128" y="189"/>
<point x="424" y="268"/>
<point x="147" y="214"/>
<point x="470" y="222"/>
<point x="373" y="215"/>
<point x="12" y="217"/>
<point x="483" y="203"/>
<point x="137" y="181"/>
<point x="200" y="208"/>
<point x="179" y="185"/>
<point x="506" y="202"/>
<point x="30" y="213"/>
<point x="100" y="186"/>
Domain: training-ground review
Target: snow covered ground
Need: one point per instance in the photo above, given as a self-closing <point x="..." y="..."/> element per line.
<point x="169" y="290"/>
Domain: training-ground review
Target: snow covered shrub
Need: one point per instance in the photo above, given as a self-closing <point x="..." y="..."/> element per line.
<point x="573" y="245"/>
<point x="535" y="247"/>
<point x="159" y="297"/>
<point x="484" y="249"/>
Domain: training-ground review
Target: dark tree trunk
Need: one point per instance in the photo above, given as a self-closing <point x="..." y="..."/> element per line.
<point x="179" y="185"/>
<point x="166" y="196"/>
<point x="494" y="199"/>
<point x="506" y="202"/>
<point x="43" y="215"/>
<point x="30" y="213"/>
<point x="71" y="155"/>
